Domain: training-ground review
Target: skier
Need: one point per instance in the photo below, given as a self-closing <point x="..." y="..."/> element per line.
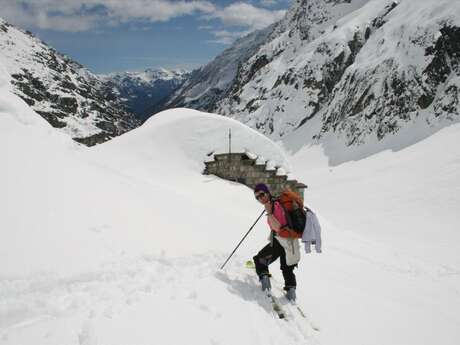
<point x="282" y="245"/>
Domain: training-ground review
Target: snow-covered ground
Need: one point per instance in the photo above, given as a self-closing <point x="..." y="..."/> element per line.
<point x="122" y="243"/>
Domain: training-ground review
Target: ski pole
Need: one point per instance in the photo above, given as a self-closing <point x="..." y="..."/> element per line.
<point x="234" y="250"/>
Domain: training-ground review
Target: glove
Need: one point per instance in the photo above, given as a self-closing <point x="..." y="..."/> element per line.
<point x="307" y="247"/>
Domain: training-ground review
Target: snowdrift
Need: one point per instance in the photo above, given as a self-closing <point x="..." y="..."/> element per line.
<point x="72" y="208"/>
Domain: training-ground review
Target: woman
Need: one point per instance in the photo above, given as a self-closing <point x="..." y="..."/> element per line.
<point x="281" y="245"/>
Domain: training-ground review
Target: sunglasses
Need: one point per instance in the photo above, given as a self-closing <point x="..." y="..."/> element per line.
<point x="260" y="195"/>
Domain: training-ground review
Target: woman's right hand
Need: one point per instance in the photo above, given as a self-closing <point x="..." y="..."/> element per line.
<point x="268" y="207"/>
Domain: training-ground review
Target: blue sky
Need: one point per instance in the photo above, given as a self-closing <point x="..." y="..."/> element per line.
<point x="118" y="35"/>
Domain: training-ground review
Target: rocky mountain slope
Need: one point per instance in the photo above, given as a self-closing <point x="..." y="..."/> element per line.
<point x="360" y="68"/>
<point x="211" y="83"/>
<point x="141" y="92"/>
<point x="62" y="91"/>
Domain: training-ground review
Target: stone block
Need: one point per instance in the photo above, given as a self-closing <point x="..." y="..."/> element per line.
<point x="221" y="157"/>
<point x="260" y="167"/>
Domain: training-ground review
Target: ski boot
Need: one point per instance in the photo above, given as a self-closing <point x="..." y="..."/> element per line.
<point x="265" y="281"/>
<point x="290" y="293"/>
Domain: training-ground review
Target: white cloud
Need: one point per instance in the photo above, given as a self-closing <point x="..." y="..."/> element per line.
<point x="82" y="15"/>
<point x="32" y="16"/>
<point x="71" y="23"/>
<point x="155" y="10"/>
<point x="227" y="37"/>
<point x="246" y="15"/>
<point x="73" y="15"/>
<point x="268" y="2"/>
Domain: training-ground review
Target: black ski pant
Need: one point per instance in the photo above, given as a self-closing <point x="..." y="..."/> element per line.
<point x="269" y="254"/>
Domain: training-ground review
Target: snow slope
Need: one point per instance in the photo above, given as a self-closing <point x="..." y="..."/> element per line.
<point x="121" y="243"/>
<point x="129" y="190"/>
<point x="393" y="269"/>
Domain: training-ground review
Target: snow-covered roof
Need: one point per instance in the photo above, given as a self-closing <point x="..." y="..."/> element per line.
<point x="193" y="135"/>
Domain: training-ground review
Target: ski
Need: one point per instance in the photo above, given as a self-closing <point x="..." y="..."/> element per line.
<point x="300" y="311"/>
<point x="293" y="305"/>
<point x="250" y="264"/>
<point x="279" y="309"/>
<point x="276" y="306"/>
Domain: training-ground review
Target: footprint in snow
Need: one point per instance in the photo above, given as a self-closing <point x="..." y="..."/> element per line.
<point x="204" y="308"/>
<point x="87" y="335"/>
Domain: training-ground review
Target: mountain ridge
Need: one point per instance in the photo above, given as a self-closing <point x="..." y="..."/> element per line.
<point x="142" y="91"/>
<point x="364" y="67"/>
<point x="61" y="90"/>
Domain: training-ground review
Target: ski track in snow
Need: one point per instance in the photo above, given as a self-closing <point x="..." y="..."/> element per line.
<point x="45" y="306"/>
<point x="82" y="309"/>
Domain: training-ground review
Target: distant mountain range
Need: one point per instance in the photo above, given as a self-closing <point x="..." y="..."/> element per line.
<point x="140" y="92"/>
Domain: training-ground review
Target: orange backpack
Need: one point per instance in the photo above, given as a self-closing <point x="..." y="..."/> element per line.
<point x="296" y="214"/>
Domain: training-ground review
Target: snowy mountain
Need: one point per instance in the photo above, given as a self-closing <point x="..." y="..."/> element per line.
<point x="121" y="243"/>
<point x="354" y="69"/>
<point x="141" y="92"/>
<point x="62" y="91"/>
